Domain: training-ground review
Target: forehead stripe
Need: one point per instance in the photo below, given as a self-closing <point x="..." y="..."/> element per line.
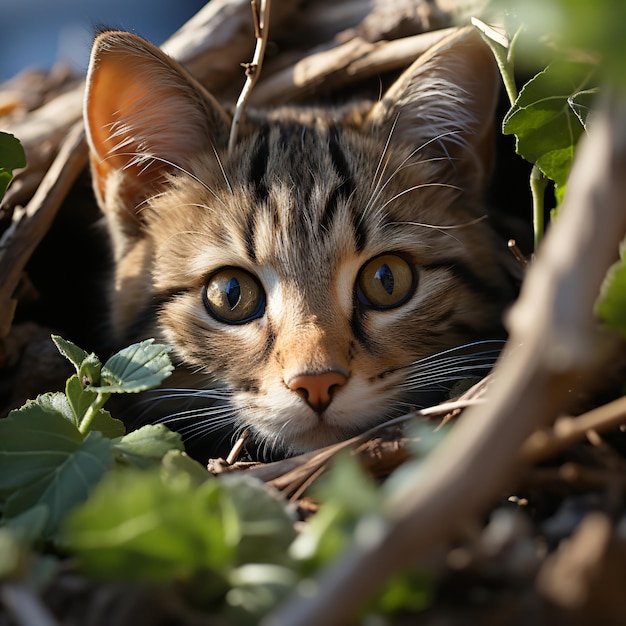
<point x="258" y="166"/>
<point x="346" y="185"/>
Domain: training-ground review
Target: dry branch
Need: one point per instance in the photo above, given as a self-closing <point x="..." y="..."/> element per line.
<point x="341" y="66"/>
<point x="553" y="341"/>
<point x="545" y="443"/>
<point x="29" y="227"/>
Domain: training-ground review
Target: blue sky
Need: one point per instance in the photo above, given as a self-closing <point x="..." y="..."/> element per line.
<point x="37" y="33"/>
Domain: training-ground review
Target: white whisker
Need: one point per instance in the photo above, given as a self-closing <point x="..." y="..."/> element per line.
<point x="415" y="188"/>
<point x="378" y="188"/>
<point x="439" y="226"/>
<point x="221" y="166"/>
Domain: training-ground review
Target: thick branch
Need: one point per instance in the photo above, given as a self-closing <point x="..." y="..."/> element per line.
<point x="343" y="65"/>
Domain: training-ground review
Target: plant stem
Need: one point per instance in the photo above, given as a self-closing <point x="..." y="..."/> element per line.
<point x="538" y="183"/>
<point x="503" y="53"/>
<point x="509" y="76"/>
<point x="92" y="411"/>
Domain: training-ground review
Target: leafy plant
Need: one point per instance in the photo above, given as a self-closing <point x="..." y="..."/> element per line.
<point x="578" y="46"/>
<point x="55" y="449"/>
<point x="12" y="157"/>
<point x="547" y="116"/>
<point x="132" y="506"/>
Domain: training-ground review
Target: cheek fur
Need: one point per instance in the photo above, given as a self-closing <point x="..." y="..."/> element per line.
<point x="210" y="346"/>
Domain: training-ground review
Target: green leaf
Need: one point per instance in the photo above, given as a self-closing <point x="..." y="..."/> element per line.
<point x="259" y="523"/>
<point x="70" y="351"/>
<point x="257" y="588"/>
<point x="12" y="157"/>
<point x="502" y="50"/>
<point x="30" y="440"/>
<point x="166" y="527"/>
<point x="45" y="461"/>
<point x="177" y="465"/>
<point x="546" y="125"/>
<point x="148" y="445"/>
<point x="350" y="499"/>
<point x="80" y="399"/>
<point x="611" y="305"/>
<point x="409" y="592"/>
<point x="157" y="531"/>
<point x="581" y="104"/>
<point x="107" y="425"/>
<point x="48" y="403"/>
<point x="136" y="368"/>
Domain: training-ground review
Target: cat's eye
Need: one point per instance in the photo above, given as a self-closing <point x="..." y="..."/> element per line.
<point x="234" y="296"/>
<point x="385" y="282"/>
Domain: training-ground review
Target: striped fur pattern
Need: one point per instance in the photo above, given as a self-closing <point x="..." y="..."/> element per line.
<point x="315" y="214"/>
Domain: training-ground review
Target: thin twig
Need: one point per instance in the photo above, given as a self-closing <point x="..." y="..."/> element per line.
<point x="544" y="444"/>
<point x="517" y="253"/>
<point x="253" y="69"/>
<point x="237" y="448"/>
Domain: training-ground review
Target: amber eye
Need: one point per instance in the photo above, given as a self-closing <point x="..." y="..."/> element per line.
<point x="385" y="282"/>
<point x="234" y="296"/>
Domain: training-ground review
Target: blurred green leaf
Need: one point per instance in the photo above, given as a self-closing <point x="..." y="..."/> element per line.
<point x="157" y="531"/>
<point x="259" y="524"/>
<point x="165" y="527"/>
<point x="410" y="592"/>
<point x="349" y="498"/>
<point x="611" y="305"/>
<point x="574" y="27"/>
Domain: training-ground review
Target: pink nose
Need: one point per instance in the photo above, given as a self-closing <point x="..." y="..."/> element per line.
<point x="317" y="389"/>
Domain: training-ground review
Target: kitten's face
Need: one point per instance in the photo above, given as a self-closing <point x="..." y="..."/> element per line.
<point x="305" y="278"/>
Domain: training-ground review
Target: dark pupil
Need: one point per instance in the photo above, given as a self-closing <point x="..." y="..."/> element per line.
<point x="233" y="293"/>
<point x="385" y="276"/>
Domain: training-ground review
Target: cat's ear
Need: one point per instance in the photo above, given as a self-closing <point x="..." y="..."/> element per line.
<point x="144" y="115"/>
<point x="444" y="104"/>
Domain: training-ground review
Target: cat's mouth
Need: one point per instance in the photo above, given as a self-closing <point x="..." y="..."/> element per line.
<point x="301" y="428"/>
<point x="315" y="437"/>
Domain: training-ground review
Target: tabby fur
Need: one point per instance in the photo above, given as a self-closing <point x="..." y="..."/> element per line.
<point x="305" y="200"/>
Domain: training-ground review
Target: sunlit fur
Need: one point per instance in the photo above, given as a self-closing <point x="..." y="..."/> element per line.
<point x="307" y="197"/>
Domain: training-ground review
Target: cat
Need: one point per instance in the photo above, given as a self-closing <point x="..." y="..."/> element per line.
<point x="313" y="282"/>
